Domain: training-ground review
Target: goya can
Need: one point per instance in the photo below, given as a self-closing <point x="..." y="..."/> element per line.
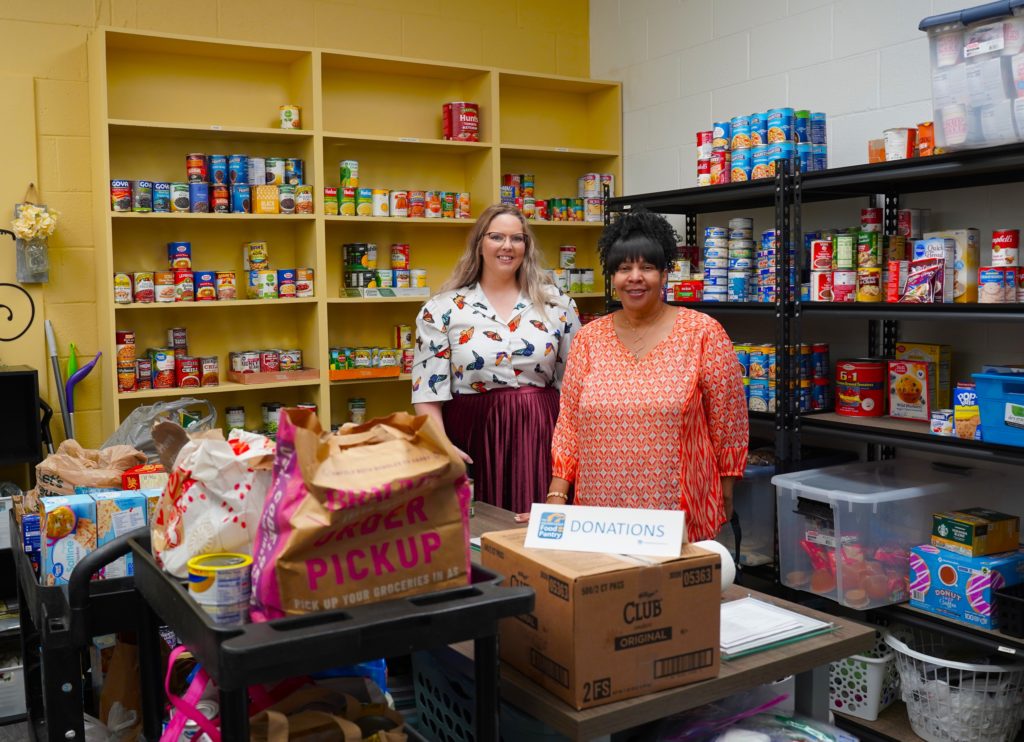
<point x="187" y="371"/>
<point x="195" y="168"/>
<point x="238" y="169"/>
<point x="220" y="198"/>
<point x="180" y="200"/>
<point x="286" y="283"/>
<point x="304" y="283"/>
<point x="161" y="198"/>
<point x="241" y="198"/>
<point x="860" y="387"/>
<point x="142" y="196"/>
<point x="294" y="171"/>
<point x="199" y="198"/>
<point x="205" y="285"/>
<point x="120" y="195"/>
<point x="218" y="169"/>
<point x="220" y="579"/>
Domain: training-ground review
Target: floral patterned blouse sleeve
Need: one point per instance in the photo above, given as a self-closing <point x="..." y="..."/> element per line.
<point x="565" y="455"/>
<point x="569" y="329"/>
<point x="431" y="370"/>
<point x="725" y="404"/>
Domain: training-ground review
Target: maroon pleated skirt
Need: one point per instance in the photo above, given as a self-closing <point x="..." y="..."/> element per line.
<point x="507" y="433"/>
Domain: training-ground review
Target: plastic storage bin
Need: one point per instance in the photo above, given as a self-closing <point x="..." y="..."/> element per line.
<point x="1001" y="401"/>
<point x="753" y="498"/>
<point x="845" y="531"/>
<point x="864" y="685"/>
<point x="977" y="64"/>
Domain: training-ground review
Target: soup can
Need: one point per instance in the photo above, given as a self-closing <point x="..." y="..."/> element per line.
<point x="741" y="167"/>
<point x="227" y="288"/>
<point x="705" y="144"/>
<point x="844" y="286"/>
<point x="291" y="116"/>
<point x="860" y="387"/>
<point x="721" y="134"/>
<point x="294" y="171"/>
<point x="142" y="196"/>
<point x="205" y="285"/>
<point x="821" y="286"/>
<point x="179" y="255"/>
<point x="364" y="202"/>
<point x="184" y="286"/>
<point x="402" y="279"/>
<point x="868" y="250"/>
<point x="844" y="251"/>
<point x="304" y="287"/>
<point x="199" y="198"/>
<point x="780" y="125"/>
<point x="196" y="168"/>
<point x="143" y="373"/>
<point x="290" y="359"/>
<point x="270" y="361"/>
<point x="347" y="202"/>
<point x="163" y="287"/>
<point x="408" y="359"/>
<point x="398" y="203"/>
<point x="759" y="162"/>
<point x="257" y="171"/>
<point x="740" y="133"/>
<point x="704" y="172"/>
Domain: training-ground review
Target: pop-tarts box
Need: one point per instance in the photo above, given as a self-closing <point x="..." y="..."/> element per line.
<point x="959" y="587"/>
<point x="118" y="513"/>
<point x="67" y="532"/>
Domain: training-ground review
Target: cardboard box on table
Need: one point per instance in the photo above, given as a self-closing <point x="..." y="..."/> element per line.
<point x="606" y="628"/>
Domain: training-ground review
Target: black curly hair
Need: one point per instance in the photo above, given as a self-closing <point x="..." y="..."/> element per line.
<point x="637" y="235"/>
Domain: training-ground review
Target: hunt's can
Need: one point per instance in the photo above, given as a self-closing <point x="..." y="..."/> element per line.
<point x="205" y="285"/>
<point x="187" y="371"/>
<point x="364" y="202"/>
<point x="417" y="204"/>
<point x="400" y="256"/>
<point x="461" y="121"/>
<point x="380" y="198"/>
<point x="180" y="201"/>
<point x="347" y="202"/>
<point x="142" y="196"/>
<point x="398" y="203"/>
<point x="291" y="116"/>
<point x="143" y="373"/>
<point x="403" y="336"/>
<point x="294" y="171"/>
<point x="275" y="171"/>
<point x="195" y="168"/>
<point x="220" y="579"/>
<point x="238" y="169"/>
<point x="304" y="283"/>
<point x="349" y="173"/>
<point x="120" y="195"/>
<point x="218" y="169"/>
<point x="286" y="283"/>
<point x="241" y="198"/>
<point x="122" y="288"/>
<point x="161" y="198"/>
<point x="270" y="361"/>
<point x="220" y="198"/>
<point x="163" y="287"/>
<point x="290" y="359"/>
<point x="257" y="171"/>
<point x="287" y="196"/>
<point x="199" y="198"/>
<point x="142" y="281"/>
<point x="227" y="286"/>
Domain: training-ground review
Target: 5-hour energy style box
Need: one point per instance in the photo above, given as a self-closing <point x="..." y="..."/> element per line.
<point x="606" y="627"/>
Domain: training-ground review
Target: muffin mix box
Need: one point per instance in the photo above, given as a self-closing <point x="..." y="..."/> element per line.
<point x="67" y="532"/>
<point x="116" y="514"/>
<point x="941" y="356"/>
<point x="960" y="587"/>
<point x="911" y="389"/>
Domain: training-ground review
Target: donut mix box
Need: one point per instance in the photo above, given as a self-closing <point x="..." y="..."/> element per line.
<point x="959" y="587"/>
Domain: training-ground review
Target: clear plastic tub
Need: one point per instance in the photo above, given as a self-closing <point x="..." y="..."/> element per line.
<point x="977" y="65"/>
<point x="754" y="500"/>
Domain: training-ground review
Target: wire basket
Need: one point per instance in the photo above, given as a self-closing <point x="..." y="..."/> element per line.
<point x="952" y="700"/>
<point x="864" y="685"/>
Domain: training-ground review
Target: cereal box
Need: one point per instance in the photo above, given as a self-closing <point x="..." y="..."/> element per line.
<point x="940" y="355"/>
<point x="975" y="531"/>
<point x="965" y="262"/>
<point x="116" y="514"/>
<point x="911" y="389"/>
<point x="67" y="534"/>
<point x="966" y="412"/>
<point x="144" y="477"/>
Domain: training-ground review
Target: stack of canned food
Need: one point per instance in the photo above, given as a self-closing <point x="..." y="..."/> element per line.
<point x="812" y="367"/>
<point x="270" y="412"/>
<point x="747" y="147"/>
<point x="398" y="355"/>
<point x="349" y="199"/>
<point x="182" y="284"/>
<point x="568" y="277"/>
<point x="270" y="360"/>
<point x="221" y="184"/>
<point x="768" y="255"/>
<point x="518" y="189"/>
<point x="362" y="272"/>
<point x="166" y="367"/>
<point x="729" y="262"/>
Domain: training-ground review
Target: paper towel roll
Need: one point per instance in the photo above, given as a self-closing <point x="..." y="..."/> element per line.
<point x="728" y="565"/>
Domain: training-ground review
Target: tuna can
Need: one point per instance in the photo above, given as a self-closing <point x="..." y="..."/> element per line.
<point x="187" y="371"/>
<point x="142" y="281"/>
<point x="741" y="264"/>
<point x="143" y="373"/>
<point x="257" y="171"/>
<point x="275" y="171"/>
<point x="348" y="173"/>
<point x="122" y="288"/>
<point x="255" y="255"/>
<point x="238" y="170"/>
<point x="241" y="198"/>
<point x="398" y="203"/>
<point x="199" y="198"/>
<point x="402" y="279"/>
<point x="262" y="284"/>
<point x="759" y="162"/>
<point x="716" y="233"/>
<point x="270" y="361"/>
<point x="161" y="198"/>
<point x="379" y="200"/>
<point x="286" y="283"/>
<point x="220" y="198"/>
<point x="364" y="202"/>
<point x="821" y="286"/>
<point x="860" y="387"/>
<point x="464" y="207"/>
<point x="347" y="202"/>
<point x="780" y="125"/>
<point x="291" y="116"/>
<point x="758" y="129"/>
<point x="205" y="285"/>
<point x="716" y="252"/>
<point x="218" y="169"/>
<point x="294" y="171"/>
<point x="818" y="129"/>
<point x="802" y="126"/>
<point x="448" y="205"/>
<point x="120" y="195"/>
<point x="400" y="256"/>
<point x="142" y="196"/>
<point x="235" y="418"/>
<point x="418" y="278"/>
<point x="417" y="204"/>
<point x="249" y="362"/>
<point x="738" y="282"/>
<point x="844" y="252"/>
<point x="163" y="287"/>
<point x="195" y="168"/>
<point x="227" y="287"/>
<point x="220" y="579"/>
<point x="287" y="196"/>
<point x="304" y="283"/>
<point x="721" y="134"/>
<point x="180" y="201"/>
<point x="291" y="359"/>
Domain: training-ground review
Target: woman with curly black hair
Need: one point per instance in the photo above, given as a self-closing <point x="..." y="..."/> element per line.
<point x="653" y="412"/>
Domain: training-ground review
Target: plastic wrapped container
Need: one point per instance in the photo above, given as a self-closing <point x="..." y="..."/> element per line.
<point x="1001" y="403"/>
<point x="977" y="65"/>
<point x="845" y="532"/>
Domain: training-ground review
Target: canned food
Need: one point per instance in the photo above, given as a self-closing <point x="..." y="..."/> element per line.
<point x="997" y="284"/>
<point x="432" y="204"/>
<point x="400" y="256"/>
<point x="844" y="251"/>
<point x="271" y="414"/>
<point x="448" y="205"/>
<point x="287" y="199"/>
<point x="220" y="198"/>
<point x="705" y="143"/>
<point x="187" y="371"/>
<point x="403" y="336"/>
<point x="255" y="255"/>
<point x="869" y="284"/>
<point x="270" y="361"/>
<point x="291" y="117"/>
<point x="819" y="361"/>
<point x="805" y="157"/>
<point x="286" y="283"/>
<point x="257" y="168"/>
<point x="262" y="284"/>
<point x="177" y="338"/>
<point x="758" y="129"/>
<point x="802" y="126"/>
<point x="741" y="168"/>
<point x="142" y="281"/>
<point x="122" y="288"/>
<point x="161" y="198"/>
<point x="184" y="286"/>
<point x="821" y="286"/>
<point x="1005" y="247"/>
<point x="360" y="256"/>
<point x="720" y="167"/>
<point x="380" y="199"/>
<point x="180" y="202"/>
<point x="304" y="283"/>
<point x="227" y="288"/>
<point x="364" y="202"/>
<point x="461" y="121"/>
<point x="143" y="373"/>
<point x="163" y="287"/>
<point x="241" y="199"/>
<point x="402" y="279"/>
<point x="235" y="417"/>
<point x="210" y="370"/>
<point x="331" y="201"/>
<point x="275" y="171"/>
<point x="408" y="359"/>
<point x="290" y="359"/>
<point x="205" y="283"/>
<point x="294" y="171"/>
<point x="417" y="204"/>
<point x="871" y="220"/>
<point x="868" y="253"/>
<point x="142" y="196"/>
<point x="844" y="286"/>
<point x="120" y="195"/>
<point x="347" y="202"/>
<point x="464" y="208"/>
<point x="860" y="387"/>
<point x="721" y="134"/>
<point x="418" y="278"/>
<point x="127" y="380"/>
<point x="362" y="358"/>
<point x="759" y="169"/>
<point x="217" y="166"/>
<point x="195" y="168"/>
<point x="249" y="361"/>
<point x="704" y="172"/>
<point x="238" y="169"/>
<point x="220" y="579"/>
<point x="125" y="342"/>
<point x="362" y="279"/>
<point x="348" y="172"/>
<point x="199" y="198"/>
<point x="780" y="125"/>
<point x="398" y="203"/>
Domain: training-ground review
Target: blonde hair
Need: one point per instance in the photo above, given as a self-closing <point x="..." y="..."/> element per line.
<point x="531" y="276"/>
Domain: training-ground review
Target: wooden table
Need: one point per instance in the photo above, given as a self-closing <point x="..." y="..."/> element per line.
<point x="808" y="659"/>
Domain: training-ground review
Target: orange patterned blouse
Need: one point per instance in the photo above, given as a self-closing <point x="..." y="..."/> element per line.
<point x="657" y="432"/>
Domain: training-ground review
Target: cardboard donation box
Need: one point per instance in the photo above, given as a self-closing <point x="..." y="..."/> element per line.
<point x="605" y="627"/>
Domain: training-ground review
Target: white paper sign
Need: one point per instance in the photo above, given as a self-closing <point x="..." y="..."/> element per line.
<point x="606" y="530"/>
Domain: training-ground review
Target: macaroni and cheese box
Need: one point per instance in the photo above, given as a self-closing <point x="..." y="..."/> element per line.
<point x="116" y="514"/>
<point x="941" y="356"/>
<point x="67" y="532"/>
<point x="966" y="412"/>
<point x="966" y="258"/>
<point x="911" y="389"/>
<point x="147" y="476"/>
<point x="975" y="531"/>
<point x="959" y="587"/>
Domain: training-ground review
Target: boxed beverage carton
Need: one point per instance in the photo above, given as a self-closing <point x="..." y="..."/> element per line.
<point x="966" y="412"/>
<point x="975" y="532"/>
<point x="966" y="259"/>
<point x="147" y="476"/>
<point x="940" y="355"/>
<point x="911" y="389"/>
<point x="959" y="587"/>
<point x="67" y="528"/>
<point x="116" y="514"/>
<point x="607" y="627"/>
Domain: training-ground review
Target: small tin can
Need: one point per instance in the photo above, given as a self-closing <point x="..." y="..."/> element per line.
<point x="286" y="283"/>
<point x="143" y="373"/>
<point x="163" y="287"/>
<point x="291" y="116"/>
<point x="740" y="167"/>
<point x="218" y="169"/>
<point x="180" y="201"/>
<point x="120" y="195"/>
<point x="195" y="168"/>
<point x="275" y="171"/>
<point x="238" y="170"/>
<point x="871" y="220"/>
<point x="164" y="374"/>
<point x="408" y="359"/>
<point x="362" y="358"/>
<point x="304" y="283"/>
<point x="241" y="198"/>
<point x="205" y="285"/>
<point x="220" y="198"/>
<point x="364" y="202"/>
<point x="528" y="207"/>
<point x="821" y="255"/>
<point x="389" y="358"/>
<point x="398" y="203"/>
<point x="235" y="417"/>
<point x="348" y="171"/>
<point x="287" y="196"/>
<point x="526" y="185"/>
<point x="399" y="256"/>
<point x="290" y="359"/>
<point x="270" y="361"/>
<point x="403" y="336"/>
<point x="220" y="579"/>
<point x="227" y="286"/>
<point x="142" y="196"/>
<point x="868" y="250"/>
<point x="294" y="171"/>
<point x="122" y="288"/>
<point x="380" y="202"/>
<point x="161" y="198"/>
<point x="184" y="286"/>
<point x="417" y="204"/>
<point x="199" y="198"/>
<point x="187" y="371"/>
<point x="594" y="210"/>
<point x="142" y="282"/>
<point x="1005" y="247"/>
<point x="347" y="202"/>
<point x="127" y="379"/>
<point x="257" y="169"/>
<point x="740" y="133"/>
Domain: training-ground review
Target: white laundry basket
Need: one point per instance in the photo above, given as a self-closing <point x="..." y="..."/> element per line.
<point x="864" y="685"/>
<point x="953" y="701"/>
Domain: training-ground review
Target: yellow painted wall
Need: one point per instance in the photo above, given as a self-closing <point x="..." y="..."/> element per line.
<point x="43" y="58"/>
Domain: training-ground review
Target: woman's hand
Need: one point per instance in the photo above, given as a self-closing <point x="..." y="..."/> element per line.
<point x="522" y="517"/>
<point x="727" y="485"/>
<point x="463" y="455"/>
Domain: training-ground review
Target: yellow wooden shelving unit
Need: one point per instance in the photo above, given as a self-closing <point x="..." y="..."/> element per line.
<point x="157" y="97"/>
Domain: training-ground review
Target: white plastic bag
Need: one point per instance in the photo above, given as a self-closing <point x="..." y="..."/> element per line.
<point x="137" y="429"/>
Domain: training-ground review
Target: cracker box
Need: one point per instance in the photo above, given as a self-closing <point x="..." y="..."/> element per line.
<point x="606" y="627"/>
<point x="147" y="476"/>
<point x="911" y="389"/>
<point x="67" y="532"/>
<point x="116" y="514"/>
<point x="975" y="531"/>
<point x="966" y="412"/>
<point x="959" y="587"/>
<point x="967" y="256"/>
<point x="941" y="356"/>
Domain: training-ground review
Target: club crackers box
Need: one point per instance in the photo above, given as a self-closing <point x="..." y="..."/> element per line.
<point x="975" y="532"/>
<point x="959" y="587"/>
<point x="146" y="476"/>
<point x="67" y="532"/>
<point x="117" y="513"/>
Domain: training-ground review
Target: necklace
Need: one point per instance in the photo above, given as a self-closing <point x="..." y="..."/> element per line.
<point x="638" y="336"/>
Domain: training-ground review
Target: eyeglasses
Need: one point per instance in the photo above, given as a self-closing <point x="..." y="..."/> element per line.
<point x="517" y="240"/>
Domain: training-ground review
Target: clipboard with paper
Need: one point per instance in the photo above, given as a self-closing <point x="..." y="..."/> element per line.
<point x="751" y="625"/>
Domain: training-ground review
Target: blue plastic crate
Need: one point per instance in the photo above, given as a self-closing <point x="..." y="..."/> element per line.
<point x="1001" y="401"/>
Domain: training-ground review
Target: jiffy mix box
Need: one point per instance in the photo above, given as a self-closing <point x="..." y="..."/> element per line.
<point x="606" y="627"/>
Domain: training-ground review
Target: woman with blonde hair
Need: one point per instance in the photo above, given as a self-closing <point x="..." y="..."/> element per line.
<point x="490" y="353"/>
